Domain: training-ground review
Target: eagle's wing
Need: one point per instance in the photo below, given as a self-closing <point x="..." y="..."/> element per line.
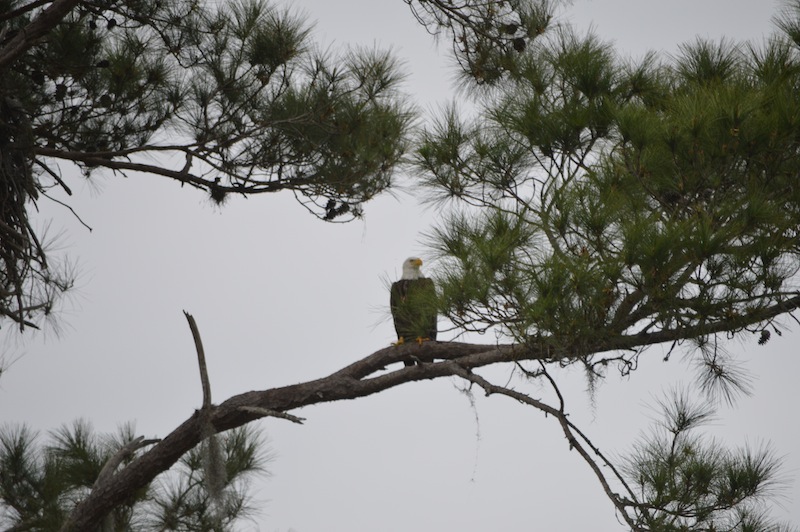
<point x="413" y="306"/>
<point x="397" y="298"/>
<point x="428" y="312"/>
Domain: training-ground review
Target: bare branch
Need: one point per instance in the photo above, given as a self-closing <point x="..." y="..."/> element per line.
<point x="354" y="381"/>
<point x="569" y="432"/>
<point x="265" y="412"/>
<point x="75" y="214"/>
<point x="182" y="176"/>
<point x="201" y="360"/>
<point x="124" y="452"/>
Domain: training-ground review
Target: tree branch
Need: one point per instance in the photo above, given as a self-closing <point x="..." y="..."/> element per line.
<point x="107" y="473"/>
<point x="201" y="360"/>
<point x="568" y="428"/>
<point x="183" y="175"/>
<point x="354" y="381"/>
<point x="263" y="412"/>
<point x="97" y="160"/>
<point x="36" y="29"/>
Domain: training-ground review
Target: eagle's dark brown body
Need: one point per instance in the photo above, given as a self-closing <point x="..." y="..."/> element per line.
<point x="413" y="303"/>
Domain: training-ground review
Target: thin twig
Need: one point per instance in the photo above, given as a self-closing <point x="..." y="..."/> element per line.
<point x="54" y="176"/>
<point x="554" y="385"/>
<point x="567" y="427"/>
<point x="75" y="214"/>
<point x="266" y="412"/>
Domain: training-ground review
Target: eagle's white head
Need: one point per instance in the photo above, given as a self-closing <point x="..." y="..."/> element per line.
<point x="411" y="268"/>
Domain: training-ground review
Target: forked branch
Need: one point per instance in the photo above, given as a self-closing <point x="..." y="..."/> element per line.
<point x="576" y="438"/>
<point x="369" y="376"/>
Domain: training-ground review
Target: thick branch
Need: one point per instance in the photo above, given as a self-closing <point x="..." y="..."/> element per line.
<point x="239" y="410"/>
<point x="354" y="381"/>
<point x="183" y="175"/>
<point x="96" y="160"/>
<point x="36" y="29"/>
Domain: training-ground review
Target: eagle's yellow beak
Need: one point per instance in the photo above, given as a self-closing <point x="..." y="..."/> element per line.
<point x="418" y="262"/>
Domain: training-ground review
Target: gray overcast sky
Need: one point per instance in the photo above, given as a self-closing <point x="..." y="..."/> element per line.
<point x="282" y="298"/>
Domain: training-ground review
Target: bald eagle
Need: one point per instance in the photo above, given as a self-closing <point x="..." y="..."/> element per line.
<point x="413" y="303"/>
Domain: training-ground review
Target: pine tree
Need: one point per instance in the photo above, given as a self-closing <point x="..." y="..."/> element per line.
<point x="40" y="484"/>
<point x="601" y="204"/>
<point x="598" y="206"/>
<point x="228" y="99"/>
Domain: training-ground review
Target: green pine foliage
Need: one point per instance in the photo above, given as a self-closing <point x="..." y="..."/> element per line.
<point x="41" y="483"/>
<point x="598" y="201"/>
<point x="691" y="482"/>
<point x="186" y="500"/>
<point x="596" y="196"/>
<point x="228" y="98"/>
<point x="487" y="36"/>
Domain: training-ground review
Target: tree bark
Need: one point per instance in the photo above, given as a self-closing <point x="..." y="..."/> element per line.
<point x="35" y="30"/>
<point x="354" y="381"/>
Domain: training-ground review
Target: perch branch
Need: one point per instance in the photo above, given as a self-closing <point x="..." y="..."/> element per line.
<point x="354" y="381"/>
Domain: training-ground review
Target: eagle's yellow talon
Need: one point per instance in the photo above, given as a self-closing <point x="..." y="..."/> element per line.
<point x="400" y="341"/>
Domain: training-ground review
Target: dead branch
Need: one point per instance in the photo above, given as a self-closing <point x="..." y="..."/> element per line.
<point x="366" y="377"/>
<point x="201" y="360"/>
<point x="265" y="412"/>
<point x="570" y="431"/>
